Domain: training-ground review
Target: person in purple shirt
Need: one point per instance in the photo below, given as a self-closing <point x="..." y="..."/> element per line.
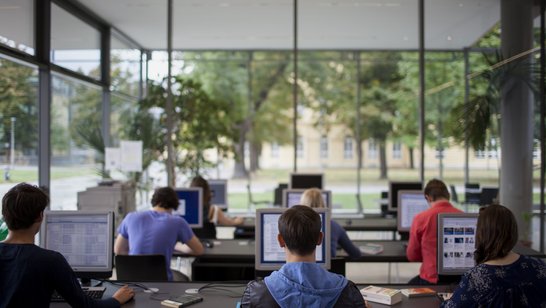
<point x="157" y="231"/>
<point x="313" y="197"/>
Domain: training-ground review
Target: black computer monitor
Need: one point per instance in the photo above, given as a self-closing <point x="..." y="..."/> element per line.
<point x="84" y="238"/>
<point x="291" y="197"/>
<point x="394" y="187"/>
<point x="218" y="189"/>
<point x="410" y="203"/>
<point x="190" y="205"/>
<point x="489" y="195"/>
<point x="456" y="240"/>
<point x="306" y="180"/>
<point x="269" y="254"/>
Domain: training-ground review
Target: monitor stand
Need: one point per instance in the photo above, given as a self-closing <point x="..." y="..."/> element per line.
<point x="88" y="282"/>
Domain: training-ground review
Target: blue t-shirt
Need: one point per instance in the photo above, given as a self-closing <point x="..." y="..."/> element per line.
<point x="520" y="284"/>
<point x="152" y="232"/>
<point x="339" y="236"/>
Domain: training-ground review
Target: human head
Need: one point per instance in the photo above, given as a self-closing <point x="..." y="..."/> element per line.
<point x="436" y="190"/>
<point x="166" y="198"/>
<point x="23" y="205"/>
<point x="199" y="181"/>
<point x="312" y="197"/>
<point x="496" y="233"/>
<point x="299" y="227"/>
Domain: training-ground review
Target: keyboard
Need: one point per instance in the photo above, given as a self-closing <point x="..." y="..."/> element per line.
<point x="93" y="292"/>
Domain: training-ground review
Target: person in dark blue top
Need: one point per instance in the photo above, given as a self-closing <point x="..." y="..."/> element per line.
<point x="501" y="277"/>
<point x="29" y="274"/>
<point x="313" y="197"/>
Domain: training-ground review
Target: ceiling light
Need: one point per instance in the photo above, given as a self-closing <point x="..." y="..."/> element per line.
<point x="405" y="38"/>
<point x="449" y="38"/>
<point x="9" y="7"/>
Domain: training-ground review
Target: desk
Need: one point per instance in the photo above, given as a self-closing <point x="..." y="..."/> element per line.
<point x="211" y="297"/>
<point x="230" y="295"/>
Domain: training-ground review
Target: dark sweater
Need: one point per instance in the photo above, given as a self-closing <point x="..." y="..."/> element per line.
<point x="29" y="274"/>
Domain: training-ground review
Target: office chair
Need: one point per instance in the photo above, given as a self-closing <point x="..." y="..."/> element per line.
<point x="472" y="193"/>
<point x="141" y="267"/>
<point x="489" y="196"/>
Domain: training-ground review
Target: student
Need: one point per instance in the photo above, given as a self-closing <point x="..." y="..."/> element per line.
<point x="501" y="278"/>
<point x="313" y="197"/>
<point x="301" y="282"/>
<point x="157" y="231"/>
<point x="422" y="244"/>
<point x="213" y="215"/>
<point x="29" y="274"/>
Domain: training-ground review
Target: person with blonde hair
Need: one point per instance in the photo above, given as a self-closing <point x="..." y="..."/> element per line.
<point x="312" y="197"/>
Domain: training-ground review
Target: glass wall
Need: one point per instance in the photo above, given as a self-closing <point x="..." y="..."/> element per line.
<point x="75" y="45"/>
<point x="18" y="123"/>
<point x="75" y="127"/>
<point x="17" y="25"/>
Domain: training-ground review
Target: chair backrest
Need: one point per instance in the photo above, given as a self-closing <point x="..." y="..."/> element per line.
<point x="453" y="192"/>
<point x="141" y="268"/>
<point x="489" y="195"/>
<point x="472" y="193"/>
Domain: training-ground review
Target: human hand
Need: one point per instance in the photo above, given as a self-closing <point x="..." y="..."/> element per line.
<point x="124" y="294"/>
<point x="238" y="220"/>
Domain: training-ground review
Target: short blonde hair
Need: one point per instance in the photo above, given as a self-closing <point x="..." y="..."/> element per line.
<point x="312" y="197"/>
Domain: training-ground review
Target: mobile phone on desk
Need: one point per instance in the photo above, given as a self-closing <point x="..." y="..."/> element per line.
<point x="181" y="301"/>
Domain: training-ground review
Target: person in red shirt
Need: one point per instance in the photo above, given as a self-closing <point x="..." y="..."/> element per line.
<point x="422" y="244"/>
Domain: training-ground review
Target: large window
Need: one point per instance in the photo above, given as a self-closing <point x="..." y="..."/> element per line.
<point x="75" y="126"/>
<point x="17" y="24"/>
<point x="18" y="123"/>
<point x="75" y="45"/>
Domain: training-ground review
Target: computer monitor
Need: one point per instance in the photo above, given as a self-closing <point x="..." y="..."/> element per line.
<point x="269" y="255"/>
<point x="306" y="180"/>
<point x="190" y="205"/>
<point x="410" y="203"/>
<point x="291" y="197"/>
<point x="84" y="238"/>
<point x="394" y="187"/>
<point x="489" y="195"/>
<point x="218" y="189"/>
<point x="456" y="238"/>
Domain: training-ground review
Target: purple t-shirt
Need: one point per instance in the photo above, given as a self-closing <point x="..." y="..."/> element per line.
<point x="152" y="232"/>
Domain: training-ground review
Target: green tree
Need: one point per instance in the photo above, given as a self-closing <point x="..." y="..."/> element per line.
<point x="18" y="100"/>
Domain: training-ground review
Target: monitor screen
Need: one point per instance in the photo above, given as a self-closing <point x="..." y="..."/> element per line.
<point x="456" y="237"/>
<point x="84" y="238"/>
<point x="218" y="189"/>
<point x="306" y="180"/>
<point x="394" y="187"/>
<point x="291" y="197"/>
<point x="410" y="203"/>
<point x="190" y="205"/>
<point x="269" y="254"/>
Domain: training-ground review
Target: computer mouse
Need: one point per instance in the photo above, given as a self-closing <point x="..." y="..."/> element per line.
<point x="208" y="244"/>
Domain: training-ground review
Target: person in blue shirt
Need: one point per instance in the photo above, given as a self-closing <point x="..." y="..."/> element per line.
<point x="157" y="231"/>
<point x="501" y="278"/>
<point x="301" y="282"/>
<point x="29" y="274"/>
<point x="313" y="197"/>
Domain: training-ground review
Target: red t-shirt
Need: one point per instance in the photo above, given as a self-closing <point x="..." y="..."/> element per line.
<point x="422" y="244"/>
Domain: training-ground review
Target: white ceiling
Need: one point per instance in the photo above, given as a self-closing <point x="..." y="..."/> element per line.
<point x="268" y="24"/>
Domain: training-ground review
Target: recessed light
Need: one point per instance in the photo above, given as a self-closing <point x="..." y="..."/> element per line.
<point x="405" y="38"/>
<point x="449" y="38"/>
